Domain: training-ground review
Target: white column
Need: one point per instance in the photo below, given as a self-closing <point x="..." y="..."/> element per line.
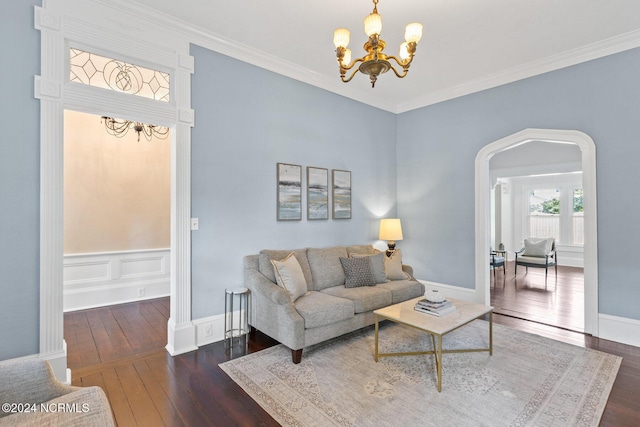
<point x="181" y="330"/>
<point x="48" y="89"/>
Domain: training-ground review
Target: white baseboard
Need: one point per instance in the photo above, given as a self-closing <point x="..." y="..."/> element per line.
<point x="211" y="329"/>
<point x="619" y="329"/>
<point x="457" y="292"/>
<point x="100" y="279"/>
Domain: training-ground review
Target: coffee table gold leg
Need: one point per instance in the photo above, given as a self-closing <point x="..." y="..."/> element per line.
<point x="375" y="356"/>
<point x="435" y="353"/>
<point x="439" y="363"/>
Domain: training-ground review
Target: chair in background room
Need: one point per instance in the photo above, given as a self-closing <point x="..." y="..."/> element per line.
<point x="538" y="252"/>
<point x="497" y="261"/>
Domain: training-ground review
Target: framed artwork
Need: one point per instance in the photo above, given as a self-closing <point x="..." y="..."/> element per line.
<point x="289" y="192"/>
<point x="341" y="194"/>
<point x="317" y="193"/>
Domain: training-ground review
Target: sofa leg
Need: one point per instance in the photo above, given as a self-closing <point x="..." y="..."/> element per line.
<point x="296" y="356"/>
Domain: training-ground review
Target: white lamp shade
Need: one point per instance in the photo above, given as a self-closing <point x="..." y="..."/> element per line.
<point x="347" y="57"/>
<point x="404" y="51"/>
<point x="341" y="37"/>
<point x="413" y="32"/>
<point x="390" y="229"/>
<point x="373" y="24"/>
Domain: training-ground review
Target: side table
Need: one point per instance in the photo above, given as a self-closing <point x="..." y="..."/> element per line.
<point x="239" y="318"/>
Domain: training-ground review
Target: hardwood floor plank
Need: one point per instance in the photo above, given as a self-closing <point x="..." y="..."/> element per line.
<point x="144" y="410"/>
<point x="122" y="412"/>
<point x="161" y="400"/>
<point x="189" y="411"/>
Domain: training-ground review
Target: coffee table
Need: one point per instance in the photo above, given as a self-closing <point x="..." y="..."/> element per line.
<point x="404" y="314"/>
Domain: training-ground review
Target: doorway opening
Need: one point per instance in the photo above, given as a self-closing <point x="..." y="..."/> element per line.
<point x="483" y="212"/>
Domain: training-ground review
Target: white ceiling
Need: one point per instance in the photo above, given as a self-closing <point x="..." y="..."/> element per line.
<point x="467" y="45"/>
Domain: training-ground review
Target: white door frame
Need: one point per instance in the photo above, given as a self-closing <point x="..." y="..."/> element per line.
<point x="99" y="26"/>
<point x="483" y="232"/>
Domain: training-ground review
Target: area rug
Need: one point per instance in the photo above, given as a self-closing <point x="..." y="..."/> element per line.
<point x="529" y="381"/>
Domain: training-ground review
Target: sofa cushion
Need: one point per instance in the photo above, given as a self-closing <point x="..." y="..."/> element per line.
<point x="320" y="309"/>
<point x="377" y="265"/>
<point x="357" y="272"/>
<point x="403" y="290"/>
<point x="393" y="266"/>
<point x="289" y="276"/>
<point x="365" y="298"/>
<point x="266" y="268"/>
<point x="361" y="249"/>
<point x="326" y="269"/>
<point x="534" y="260"/>
<point x="537" y="246"/>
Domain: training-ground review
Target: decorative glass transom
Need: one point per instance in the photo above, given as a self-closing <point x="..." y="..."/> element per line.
<point x="108" y="73"/>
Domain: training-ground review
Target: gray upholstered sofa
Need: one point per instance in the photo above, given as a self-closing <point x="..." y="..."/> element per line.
<point x="328" y="309"/>
<point x="32" y="396"/>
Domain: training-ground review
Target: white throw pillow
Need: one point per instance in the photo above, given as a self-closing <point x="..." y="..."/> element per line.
<point x="393" y="266"/>
<point x="289" y="276"/>
<point x="537" y="247"/>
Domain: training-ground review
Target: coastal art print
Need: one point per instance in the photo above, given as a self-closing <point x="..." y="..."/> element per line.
<point x="341" y="194"/>
<point x="289" y="192"/>
<point x="317" y="193"/>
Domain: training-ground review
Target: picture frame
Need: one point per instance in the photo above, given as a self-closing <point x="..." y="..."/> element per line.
<point x="289" y="192"/>
<point x="317" y="193"/>
<point x="341" y="187"/>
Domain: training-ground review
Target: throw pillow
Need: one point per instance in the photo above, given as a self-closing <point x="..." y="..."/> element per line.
<point x="393" y="266"/>
<point x="536" y="247"/>
<point x="289" y="276"/>
<point x="357" y="272"/>
<point x="377" y="265"/>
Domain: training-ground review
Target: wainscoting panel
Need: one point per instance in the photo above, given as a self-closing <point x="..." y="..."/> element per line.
<point x="99" y="279"/>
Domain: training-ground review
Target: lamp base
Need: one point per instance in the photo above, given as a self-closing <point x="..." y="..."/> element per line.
<point x="391" y="249"/>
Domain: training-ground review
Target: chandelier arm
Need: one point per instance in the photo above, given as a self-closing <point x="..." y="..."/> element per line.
<point x="405" y="66"/>
<point x="354" y="62"/>
<point x="350" y="77"/>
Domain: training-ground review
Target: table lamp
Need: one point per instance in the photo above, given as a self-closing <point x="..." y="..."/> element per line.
<point x="390" y="230"/>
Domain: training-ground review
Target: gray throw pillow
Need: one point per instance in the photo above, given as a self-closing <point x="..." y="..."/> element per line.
<point x="377" y="265"/>
<point x="357" y="272"/>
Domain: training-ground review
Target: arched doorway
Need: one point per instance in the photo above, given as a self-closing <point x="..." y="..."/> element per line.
<point x="482" y="208"/>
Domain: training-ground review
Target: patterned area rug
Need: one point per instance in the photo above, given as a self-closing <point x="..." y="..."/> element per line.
<point x="529" y="381"/>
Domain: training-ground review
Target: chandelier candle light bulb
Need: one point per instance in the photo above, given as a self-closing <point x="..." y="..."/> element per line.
<point x="376" y="62"/>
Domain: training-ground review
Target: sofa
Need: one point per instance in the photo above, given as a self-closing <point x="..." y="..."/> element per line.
<point x="323" y="292"/>
<point x="31" y="395"/>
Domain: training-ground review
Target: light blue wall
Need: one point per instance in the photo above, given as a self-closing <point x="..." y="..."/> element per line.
<point x="437" y="146"/>
<point x="19" y="181"/>
<point x="247" y="120"/>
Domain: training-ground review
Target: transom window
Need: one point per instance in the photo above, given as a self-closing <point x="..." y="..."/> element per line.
<point x="108" y="73"/>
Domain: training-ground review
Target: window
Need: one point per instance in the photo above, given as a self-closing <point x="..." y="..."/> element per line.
<point x="108" y="73"/>
<point x="578" y="218"/>
<point x="550" y="215"/>
<point x="544" y="213"/>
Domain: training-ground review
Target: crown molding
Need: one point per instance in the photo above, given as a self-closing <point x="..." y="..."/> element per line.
<point x="617" y="44"/>
<point x="250" y="55"/>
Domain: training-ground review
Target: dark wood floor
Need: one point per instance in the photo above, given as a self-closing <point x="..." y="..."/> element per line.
<point x="121" y="349"/>
<point x="556" y="302"/>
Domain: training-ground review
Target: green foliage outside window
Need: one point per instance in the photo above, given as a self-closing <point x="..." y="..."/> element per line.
<point x="577" y="200"/>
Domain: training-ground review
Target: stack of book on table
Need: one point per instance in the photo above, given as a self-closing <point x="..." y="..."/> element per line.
<point x="435" y="308"/>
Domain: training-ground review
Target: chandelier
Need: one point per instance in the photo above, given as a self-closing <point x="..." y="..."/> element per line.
<point x="120" y="128"/>
<point x="375" y="62"/>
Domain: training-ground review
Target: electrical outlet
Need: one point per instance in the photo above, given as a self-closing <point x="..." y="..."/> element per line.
<point x="208" y="330"/>
<point x="140" y="292"/>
